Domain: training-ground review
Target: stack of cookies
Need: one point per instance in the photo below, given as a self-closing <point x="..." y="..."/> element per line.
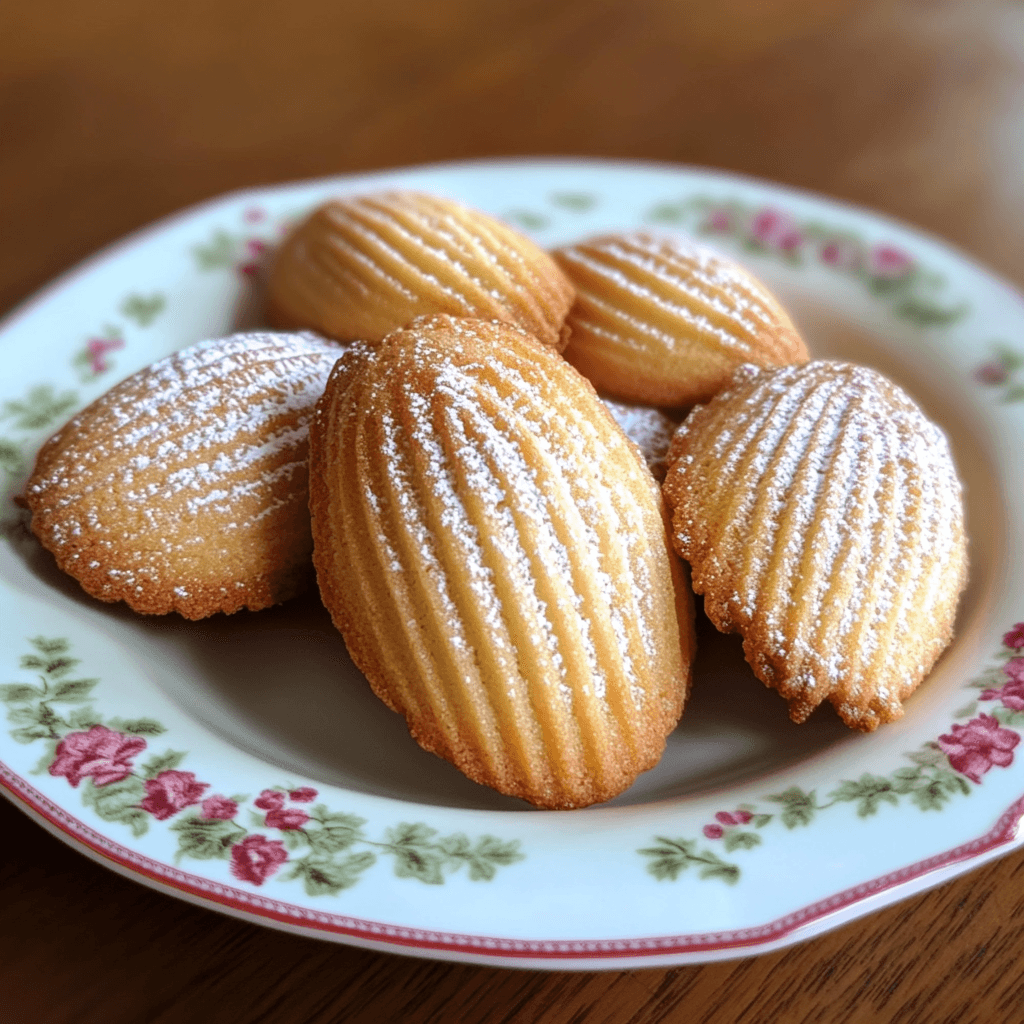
<point x="490" y="536"/>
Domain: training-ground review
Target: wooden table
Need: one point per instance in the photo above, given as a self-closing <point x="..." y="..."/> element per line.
<point x="113" y="114"/>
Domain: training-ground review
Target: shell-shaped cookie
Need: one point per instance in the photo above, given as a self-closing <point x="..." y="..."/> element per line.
<point x="361" y="267"/>
<point x="184" y="487"/>
<point x="494" y="553"/>
<point x="662" y="320"/>
<point x="822" y="518"/>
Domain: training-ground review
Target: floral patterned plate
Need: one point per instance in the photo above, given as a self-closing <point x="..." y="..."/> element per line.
<point x="242" y="763"/>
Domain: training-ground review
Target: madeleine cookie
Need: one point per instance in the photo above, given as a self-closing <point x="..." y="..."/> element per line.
<point x="361" y="267"/>
<point x="822" y="518"/>
<point x="662" y="320"/>
<point x="493" y="551"/>
<point x="184" y="488"/>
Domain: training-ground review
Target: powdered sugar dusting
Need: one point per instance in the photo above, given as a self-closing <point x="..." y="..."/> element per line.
<point x="169" y="472"/>
<point x="365" y="265"/>
<point x="823" y="518"/>
<point x="523" y="517"/>
<point x="641" y="281"/>
<point x="648" y="428"/>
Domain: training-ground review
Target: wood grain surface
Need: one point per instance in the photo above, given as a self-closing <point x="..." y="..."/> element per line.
<point x="115" y="113"/>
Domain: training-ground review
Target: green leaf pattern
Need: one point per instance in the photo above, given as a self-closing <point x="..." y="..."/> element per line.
<point x="219" y="252"/>
<point x="912" y="291"/>
<point x="119" y="801"/>
<point x="928" y="782"/>
<point x="205" y="838"/>
<point x="327" y="850"/>
<point x="1003" y="372"/>
<point x="143" y="309"/>
<point x="244" y="246"/>
<point x="673" y="856"/>
<point x="43" y="407"/>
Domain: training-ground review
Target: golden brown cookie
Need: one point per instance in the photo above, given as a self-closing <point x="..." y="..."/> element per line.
<point x="822" y="518"/>
<point x="184" y="488"/>
<point x="494" y="553"/>
<point x="661" y="320"/>
<point x="361" y="267"/>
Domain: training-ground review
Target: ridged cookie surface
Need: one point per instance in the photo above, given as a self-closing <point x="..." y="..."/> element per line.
<point x="494" y="553"/>
<point x="359" y="268"/>
<point x="184" y="487"/>
<point x="822" y="518"/>
<point x="662" y="320"/>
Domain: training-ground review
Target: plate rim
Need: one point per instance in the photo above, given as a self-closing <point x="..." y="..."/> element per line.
<point x="153" y="227"/>
<point x="551" y="954"/>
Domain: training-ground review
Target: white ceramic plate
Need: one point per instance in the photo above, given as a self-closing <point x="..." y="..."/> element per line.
<point x="243" y="764"/>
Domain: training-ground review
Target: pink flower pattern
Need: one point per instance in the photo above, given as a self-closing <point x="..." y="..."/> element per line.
<point x="891" y="273"/>
<point x="841" y="254"/>
<point x="106" y="756"/>
<point x="270" y="800"/>
<point x="1012" y="693"/>
<point x="979" y="745"/>
<point x="172" y="791"/>
<point x="219" y="808"/>
<point x="992" y="372"/>
<point x="889" y="263"/>
<point x="286" y="818"/>
<point x="256" y="249"/>
<point x="1014" y="639"/>
<point x="776" y="230"/>
<point x="719" y="220"/>
<point x="734" y="817"/>
<point x="100" y="754"/>
<point x="725" y="820"/>
<point x="256" y="858"/>
<point x="97" y="349"/>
